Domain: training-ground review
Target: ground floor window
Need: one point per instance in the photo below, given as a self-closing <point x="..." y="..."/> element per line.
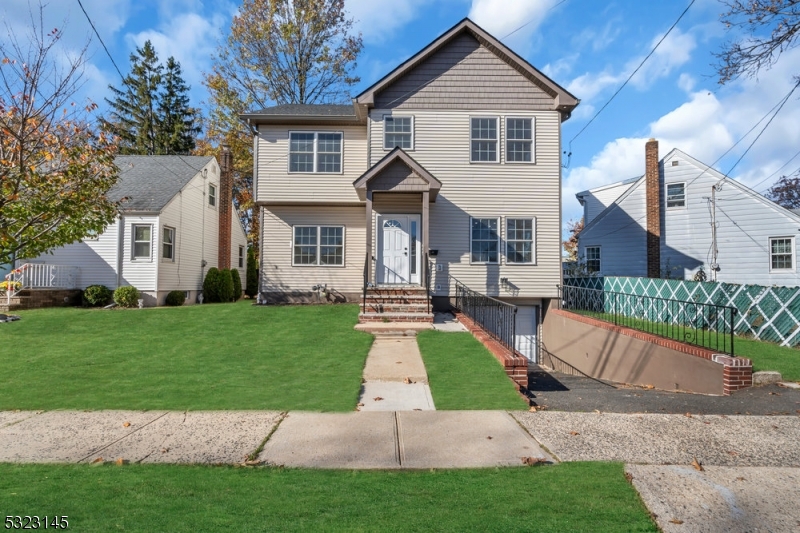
<point x="781" y="253"/>
<point x="168" y="244"/>
<point x="318" y="245"/>
<point x="519" y="240"/>
<point x="484" y="240"/>
<point x="592" y="259"/>
<point x="141" y="241"/>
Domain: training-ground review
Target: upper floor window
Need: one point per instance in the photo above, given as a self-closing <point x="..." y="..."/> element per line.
<point x="398" y="131"/>
<point x="141" y="241"/>
<point x="315" y="152"/>
<point x="676" y="195"/>
<point x="519" y="240"/>
<point x="519" y="140"/>
<point x="168" y="244"/>
<point x="484" y="240"/>
<point x="484" y="142"/>
<point x="212" y="194"/>
<point x="592" y="259"/>
<point x="781" y="253"/>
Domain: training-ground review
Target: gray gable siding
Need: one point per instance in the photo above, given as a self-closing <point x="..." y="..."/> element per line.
<point x="398" y="177"/>
<point x="464" y="75"/>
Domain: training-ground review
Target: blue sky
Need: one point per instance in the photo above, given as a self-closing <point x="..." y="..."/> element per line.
<point x="589" y="47"/>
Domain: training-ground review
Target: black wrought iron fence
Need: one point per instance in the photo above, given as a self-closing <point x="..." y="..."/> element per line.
<point x="700" y="324"/>
<point x="497" y="318"/>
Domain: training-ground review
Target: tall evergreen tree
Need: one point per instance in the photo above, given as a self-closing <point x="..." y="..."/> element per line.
<point x="179" y="121"/>
<point x="150" y="113"/>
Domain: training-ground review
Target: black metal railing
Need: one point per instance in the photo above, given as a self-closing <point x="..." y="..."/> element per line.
<point x="496" y="317"/>
<point x="706" y="325"/>
<point x="428" y="280"/>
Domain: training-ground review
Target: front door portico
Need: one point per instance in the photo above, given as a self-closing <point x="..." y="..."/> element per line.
<point x="398" y="250"/>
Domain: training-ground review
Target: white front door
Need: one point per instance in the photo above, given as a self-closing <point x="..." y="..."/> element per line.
<point x="399" y="249"/>
<point x="525" y="332"/>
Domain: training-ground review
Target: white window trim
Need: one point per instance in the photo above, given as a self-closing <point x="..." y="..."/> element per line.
<point x="319" y="244"/>
<point x="316" y="141"/>
<point x="507" y="240"/>
<point x="499" y="140"/>
<point x="499" y="242"/>
<point x="600" y="259"/>
<point x="134" y="257"/>
<point x="215" y="196"/>
<point x="793" y="255"/>
<point x="666" y="197"/>
<point x="174" y="233"/>
<point x="413" y="137"/>
<point x="533" y="141"/>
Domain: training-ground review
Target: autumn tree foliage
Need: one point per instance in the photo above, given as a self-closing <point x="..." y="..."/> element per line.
<point x="571" y="244"/>
<point x="277" y="52"/>
<point x="786" y="192"/>
<point x="55" y="169"/>
<point x="772" y="27"/>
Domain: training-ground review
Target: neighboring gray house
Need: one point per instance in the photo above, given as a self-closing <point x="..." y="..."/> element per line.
<point x="167" y="234"/>
<point x="693" y="217"/>
<point x="454" y="156"/>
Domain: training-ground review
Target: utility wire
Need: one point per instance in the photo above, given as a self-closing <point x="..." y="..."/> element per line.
<point x="530" y="21"/>
<point x="569" y="153"/>
<point x="101" y="41"/>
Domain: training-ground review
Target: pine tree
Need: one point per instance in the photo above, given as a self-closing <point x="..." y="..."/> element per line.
<point x="179" y="125"/>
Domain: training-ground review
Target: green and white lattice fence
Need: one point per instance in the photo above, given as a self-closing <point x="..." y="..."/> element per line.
<point x="765" y="313"/>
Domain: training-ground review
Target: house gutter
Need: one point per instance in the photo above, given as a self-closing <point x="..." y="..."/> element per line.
<point x="120" y="248"/>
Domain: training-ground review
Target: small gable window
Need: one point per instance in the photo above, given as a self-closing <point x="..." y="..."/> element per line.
<point x="519" y="140"/>
<point x="484" y="142"/>
<point x="676" y="195"/>
<point x="398" y="131"/>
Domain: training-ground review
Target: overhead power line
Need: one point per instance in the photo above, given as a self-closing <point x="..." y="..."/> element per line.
<point x="569" y="152"/>
<point x="101" y="40"/>
<point x="530" y="21"/>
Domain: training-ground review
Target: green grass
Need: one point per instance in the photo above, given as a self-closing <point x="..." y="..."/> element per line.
<point x="565" y="497"/>
<point x="222" y="356"/>
<point x="464" y="375"/>
<point x="765" y="355"/>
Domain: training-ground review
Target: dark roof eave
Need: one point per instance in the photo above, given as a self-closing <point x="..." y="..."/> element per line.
<point x="255" y="119"/>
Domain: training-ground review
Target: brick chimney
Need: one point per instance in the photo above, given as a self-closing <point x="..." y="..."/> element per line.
<point x="653" y="204"/>
<point x="225" y="193"/>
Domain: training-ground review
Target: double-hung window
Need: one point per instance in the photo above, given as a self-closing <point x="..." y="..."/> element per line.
<point x="168" y="244"/>
<point x="676" y="195"/>
<point x="519" y="140"/>
<point x="315" y="152"/>
<point x="318" y="245"/>
<point x="212" y="195"/>
<point x="398" y="131"/>
<point x="781" y="254"/>
<point x="484" y="140"/>
<point x="241" y="257"/>
<point x="592" y="259"/>
<point x="141" y="241"/>
<point x="519" y="240"/>
<point x="484" y="240"/>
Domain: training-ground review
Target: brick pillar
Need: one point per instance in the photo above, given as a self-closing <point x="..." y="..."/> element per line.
<point x="225" y="193"/>
<point x="653" y="204"/>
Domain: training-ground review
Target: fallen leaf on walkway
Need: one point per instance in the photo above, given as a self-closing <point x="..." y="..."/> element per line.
<point x="398" y="362"/>
<point x="120" y="461"/>
<point x="408" y="381"/>
<point x="629" y="477"/>
<point x="740" y="478"/>
<point x="254" y="462"/>
<point x="489" y="437"/>
<point x="774" y="393"/>
<point x="164" y="450"/>
<point x="98" y="460"/>
<point x="676" y="521"/>
<point x="706" y="422"/>
<point x="418" y="409"/>
<point x="533" y="461"/>
<point x="697" y="466"/>
<point x="598" y="411"/>
<point x="688" y="415"/>
<point x="733" y="453"/>
<point x="532" y="409"/>
<point x="126" y="424"/>
<point x="360" y="404"/>
<point x="774" y="427"/>
<point x="573" y="433"/>
<point x="649" y="387"/>
<point x="377" y="398"/>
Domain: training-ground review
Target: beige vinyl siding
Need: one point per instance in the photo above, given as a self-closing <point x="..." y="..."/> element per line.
<point x="238" y="238"/>
<point x="196" y="227"/>
<point x="140" y="273"/>
<point x="466" y="75"/>
<point x="277" y="272"/>
<point x="487" y="190"/>
<point x="275" y="184"/>
<point x="96" y="258"/>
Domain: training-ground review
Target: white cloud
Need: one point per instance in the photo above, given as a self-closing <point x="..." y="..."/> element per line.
<point x="674" y="51"/>
<point x="686" y="82"/>
<point x="561" y="67"/>
<point x="501" y="17"/>
<point x="377" y="20"/>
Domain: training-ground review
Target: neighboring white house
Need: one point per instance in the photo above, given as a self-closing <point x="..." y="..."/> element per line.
<point x="453" y="156"/>
<point x="704" y="220"/>
<point x="167" y="234"/>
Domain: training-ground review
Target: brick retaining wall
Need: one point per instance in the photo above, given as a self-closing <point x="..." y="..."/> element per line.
<point x="515" y="365"/>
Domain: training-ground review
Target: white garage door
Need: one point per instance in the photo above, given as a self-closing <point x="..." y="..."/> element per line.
<point x="527" y="322"/>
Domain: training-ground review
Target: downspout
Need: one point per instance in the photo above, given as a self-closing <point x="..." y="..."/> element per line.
<point x="120" y="248"/>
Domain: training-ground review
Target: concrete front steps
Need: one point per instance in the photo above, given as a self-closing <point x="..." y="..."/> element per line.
<point x="35" y="299"/>
<point x="395" y="304"/>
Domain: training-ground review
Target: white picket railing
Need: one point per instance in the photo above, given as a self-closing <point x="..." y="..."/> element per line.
<point x="40" y="276"/>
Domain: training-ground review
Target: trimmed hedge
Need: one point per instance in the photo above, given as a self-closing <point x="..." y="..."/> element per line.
<point x="175" y="298"/>
<point x="237" y="284"/>
<point x="126" y="297"/>
<point x="96" y="295"/>
<point x="226" y="286"/>
<point x="211" y="286"/>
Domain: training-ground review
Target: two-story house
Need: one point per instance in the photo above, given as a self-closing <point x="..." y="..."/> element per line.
<point x="682" y="216"/>
<point x="451" y="163"/>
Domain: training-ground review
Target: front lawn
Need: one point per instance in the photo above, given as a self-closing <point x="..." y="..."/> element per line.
<point x="565" y="497"/>
<point x="220" y="356"/>
<point x="464" y="375"/>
